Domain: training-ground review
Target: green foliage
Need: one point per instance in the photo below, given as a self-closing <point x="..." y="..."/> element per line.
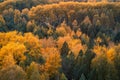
<point x="63" y="77"/>
<point x="64" y="49"/>
<point x="82" y="77"/>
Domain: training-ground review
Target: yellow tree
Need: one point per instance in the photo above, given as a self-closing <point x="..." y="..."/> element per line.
<point x="61" y="31"/>
<point x="103" y="63"/>
<point x="13" y="36"/>
<point x="2" y="24"/>
<point x="8" y="61"/>
<point x="53" y="63"/>
<point x="32" y="44"/>
<point x="2" y="21"/>
<point x="17" y="16"/>
<point x="16" y="50"/>
<point x="33" y="47"/>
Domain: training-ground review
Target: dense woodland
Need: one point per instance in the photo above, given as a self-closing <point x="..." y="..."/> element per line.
<point x="61" y="41"/>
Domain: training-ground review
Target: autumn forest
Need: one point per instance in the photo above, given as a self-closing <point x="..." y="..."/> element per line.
<point x="59" y="40"/>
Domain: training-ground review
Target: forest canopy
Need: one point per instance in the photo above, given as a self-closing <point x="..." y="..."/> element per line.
<point x="49" y="40"/>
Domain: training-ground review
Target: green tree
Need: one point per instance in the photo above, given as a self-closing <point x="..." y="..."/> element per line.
<point x="68" y="65"/>
<point x="82" y="77"/>
<point x="8" y="15"/>
<point x="63" y="77"/>
<point x="117" y="59"/>
<point x="65" y="49"/>
<point x="86" y="25"/>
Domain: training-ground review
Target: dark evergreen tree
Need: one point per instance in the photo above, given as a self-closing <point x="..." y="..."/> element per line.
<point x="65" y="49"/>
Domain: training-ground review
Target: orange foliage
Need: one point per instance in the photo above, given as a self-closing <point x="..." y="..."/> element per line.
<point x="50" y="42"/>
<point x="53" y="63"/>
<point x="74" y="44"/>
<point x="53" y="60"/>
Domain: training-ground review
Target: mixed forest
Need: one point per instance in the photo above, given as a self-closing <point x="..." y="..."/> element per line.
<point x="54" y="40"/>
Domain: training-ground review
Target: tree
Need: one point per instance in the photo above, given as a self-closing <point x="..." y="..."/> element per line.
<point x="8" y="61"/>
<point x="17" y="50"/>
<point x="47" y="43"/>
<point x="103" y="64"/>
<point x="99" y="64"/>
<point x="19" y="21"/>
<point x="53" y="64"/>
<point x="24" y="13"/>
<point x="79" y="65"/>
<point x="86" y="25"/>
<point x="117" y="59"/>
<point x="30" y="26"/>
<point x="83" y="77"/>
<point x="65" y="49"/>
<point x="9" y="18"/>
<point x="104" y="19"/>
<point x="44" y="76"/>
<point x="11" y="37"/>
<point x="33" y="47"/>
<point x="2" y="21"/>
<point x="68" y="65"/>
<point x="17" y="16"/>
<point x="13" y="72"/>
<point x="33" y="72"/>
<point x="75" y="25"/>
<point x="2" y="24"/>
<point x="63" y="29"/>
<point x="63" y="77"/>
<point x="111" y="72"/>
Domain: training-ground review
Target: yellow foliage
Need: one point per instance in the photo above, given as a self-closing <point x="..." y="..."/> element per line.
<point x="100" y="50"/>
<point x="111" y="54"/>
<point x="53" y="60"/>
<point x="78" y="33"/>
<point x="61" y="31"/>
<point x="32" y="40"/>
<point x="2" y="21"/>
<point x="61" y="40"/>
<point x="25" y="11"/>
<point x="108" y="52"/>
<point x="75" y="46"/>
<point x="87" y="21"/>
<point x="17" y="16"/>
<point x="98" y="40"/>
<point x="13" y="36"/>
<point x="16" y="50"/>
<point x="53" y="63"/>
<point x="8" y="61"/>
<point x="32" y="44"/>
<point x="16" y="41"/>
<point x="50" y="31"/>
